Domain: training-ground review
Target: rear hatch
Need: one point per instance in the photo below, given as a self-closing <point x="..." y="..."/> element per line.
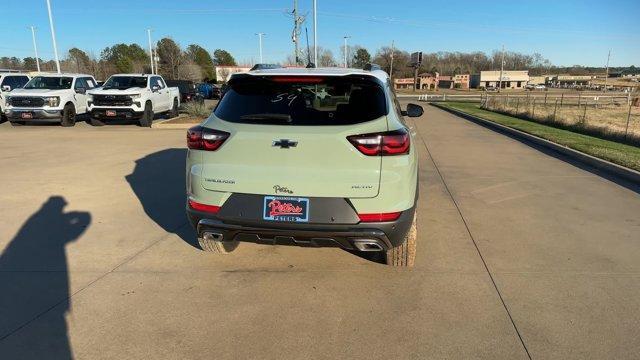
<point x="288" y="136"/>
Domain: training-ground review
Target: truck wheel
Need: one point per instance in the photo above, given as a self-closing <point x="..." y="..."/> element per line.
<point x="174" y="110"/>
<point x="68" y="115"/>
<point x="96" y="122"/>
<point x="147" y="116"/>
<point x="404" y="254"/>
<point x="209" y="243"/>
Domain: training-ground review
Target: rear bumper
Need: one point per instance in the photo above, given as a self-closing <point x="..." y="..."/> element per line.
<point x="121" y="113"/>
<point x="36" y="114"/>
<point x="386" y="234"/>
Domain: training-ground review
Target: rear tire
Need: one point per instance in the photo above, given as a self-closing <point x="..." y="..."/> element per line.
<point x="216" y="246"/>
<point x="147" y="117"/>
<point x="68" y="116"/>
<point x="404" y="254"/>
<point x="96" y="122"/>
<point x="174" y="110"/>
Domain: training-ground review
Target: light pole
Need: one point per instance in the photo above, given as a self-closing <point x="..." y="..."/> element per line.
<point x="315" y="33"/>
<point x="150" y="50"/>
<point x="53" y="37"/>
<point x="346" y="50"/>
<point x="501" y="70"/>
<point x="35" y="47"/>
<point x="260" y="35"/>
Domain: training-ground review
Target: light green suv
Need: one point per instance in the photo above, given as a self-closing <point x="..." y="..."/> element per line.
<point x="310" y="157"/>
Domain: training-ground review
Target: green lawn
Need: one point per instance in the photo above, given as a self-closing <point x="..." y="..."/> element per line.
<point x="621" y="154"/>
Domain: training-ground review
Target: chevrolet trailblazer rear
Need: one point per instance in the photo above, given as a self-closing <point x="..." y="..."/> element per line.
<point x="311" y="157"/>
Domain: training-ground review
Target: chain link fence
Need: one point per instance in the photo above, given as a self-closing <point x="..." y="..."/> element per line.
<point x="607" y="116"/>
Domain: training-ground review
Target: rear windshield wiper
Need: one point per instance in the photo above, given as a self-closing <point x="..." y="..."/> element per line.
<point x="270" y="117"/>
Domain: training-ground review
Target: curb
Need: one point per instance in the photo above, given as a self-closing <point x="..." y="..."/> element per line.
<point x="600" y="164"/>
<point x="168" y="123"/>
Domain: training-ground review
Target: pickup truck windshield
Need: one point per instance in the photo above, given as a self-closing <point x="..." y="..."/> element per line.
<point x="49" y="83"/>
<point x="125" y="82"/>
<point x="302" y="100"/>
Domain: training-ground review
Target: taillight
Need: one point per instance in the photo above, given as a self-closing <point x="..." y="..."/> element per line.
<point x="380" y="217"/>
<point x="202" y="138"/>
<point x="212" y="209"/>
<point x="382" y="144"/>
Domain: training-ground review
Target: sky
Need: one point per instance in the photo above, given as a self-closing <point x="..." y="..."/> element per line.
<point x="566" y="32"/>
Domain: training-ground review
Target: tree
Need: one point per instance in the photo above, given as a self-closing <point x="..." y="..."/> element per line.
<point x="81" y="60"/>
<point x="223" y="57"/>
<point x="171" y="58"/>
<point x="201" y="57"/>
<point x="400" y="62"/>
<point x="361" y="58"/>
<point x="124" y="58"/>
<point x="29" y="63"/>
<point x="325" y="58"/>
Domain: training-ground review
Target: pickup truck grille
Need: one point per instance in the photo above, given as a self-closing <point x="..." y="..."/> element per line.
<point x="25" y="101"/>
<point x="112" y="100"/>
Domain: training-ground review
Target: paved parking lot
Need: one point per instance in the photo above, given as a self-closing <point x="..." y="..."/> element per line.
<point x="520" y="255"/>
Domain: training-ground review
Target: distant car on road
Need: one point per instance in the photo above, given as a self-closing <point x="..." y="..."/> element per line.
<point x="133" y="96"/>
<point x="315" y="157"/>
<point x="9" y="82"/>
<point x="50" y="97"/>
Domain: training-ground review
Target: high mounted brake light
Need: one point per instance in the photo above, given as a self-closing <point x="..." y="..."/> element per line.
<point x="297" y="79"/>
<point x="201" y="138"/>
<point x="388" y="143"/>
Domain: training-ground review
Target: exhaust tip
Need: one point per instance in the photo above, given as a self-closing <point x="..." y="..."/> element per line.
<point x="367" y="245"/>
<point x="214" y="236"/>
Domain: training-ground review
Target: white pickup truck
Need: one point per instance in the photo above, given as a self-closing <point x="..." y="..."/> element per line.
<point x="133" y="96"/>
<point x="50" y="97"/>
<point x="9" y="82"/>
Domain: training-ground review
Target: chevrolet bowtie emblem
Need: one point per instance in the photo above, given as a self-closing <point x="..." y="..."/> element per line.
<point x="284" y="143"/>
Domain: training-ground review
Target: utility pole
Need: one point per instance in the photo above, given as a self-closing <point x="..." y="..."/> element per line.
<point x="346" y="51"/>
<point x="501" y="70"/>
<point x="392" y="55"/>
<point x="295" y="36"/>
<point x="260" y="35"/>
<point x="150" y="51"/>
<point x="35" y="48"/>
<point x="53" y="37"/>
<point x="606" y="76"/>
<point x="315" y="33"/>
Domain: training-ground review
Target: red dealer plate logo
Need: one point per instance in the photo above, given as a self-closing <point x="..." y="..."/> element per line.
<point x="289" y="209"/>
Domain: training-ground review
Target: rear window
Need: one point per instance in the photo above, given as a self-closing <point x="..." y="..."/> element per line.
<point x="302" y="100"/>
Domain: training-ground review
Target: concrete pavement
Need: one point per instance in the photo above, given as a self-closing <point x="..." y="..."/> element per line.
<point x="520" y="255"/>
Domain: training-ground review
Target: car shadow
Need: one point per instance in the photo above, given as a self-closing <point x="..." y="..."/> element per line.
<point x="158" y="181"/>
<point x="34" y="282"/>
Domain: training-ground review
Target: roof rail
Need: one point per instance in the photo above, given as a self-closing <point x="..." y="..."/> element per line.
<point x="371" y="67"/>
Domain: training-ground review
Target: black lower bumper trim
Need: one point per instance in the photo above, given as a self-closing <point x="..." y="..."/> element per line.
<point x="101" y="114"/>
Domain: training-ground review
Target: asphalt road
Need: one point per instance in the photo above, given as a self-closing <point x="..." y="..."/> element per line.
<point x="520" y="255"/>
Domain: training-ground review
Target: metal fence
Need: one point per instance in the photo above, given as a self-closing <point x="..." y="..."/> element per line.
<point x="616" y="116"/>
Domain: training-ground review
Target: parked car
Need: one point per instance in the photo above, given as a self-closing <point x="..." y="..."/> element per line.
<point x="187" y="89"/>
<point x="133" y="96"/>
<point x="314" y="157"/>
<point x="8" y="82"/>
<point x="208" y="91"/>
<point x="50" y="97"/>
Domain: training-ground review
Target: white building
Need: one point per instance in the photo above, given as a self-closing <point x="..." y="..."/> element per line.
<point x="224" y="72"/>
<point x="511" y="79"/>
